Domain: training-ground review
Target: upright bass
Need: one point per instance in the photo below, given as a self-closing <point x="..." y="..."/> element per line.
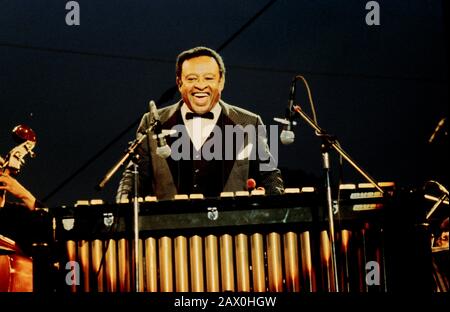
<point x="16" y="268"/>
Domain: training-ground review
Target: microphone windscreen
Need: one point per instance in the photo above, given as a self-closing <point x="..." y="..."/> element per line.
<point x="287" y="137"/>
<point x="163" y="151"/>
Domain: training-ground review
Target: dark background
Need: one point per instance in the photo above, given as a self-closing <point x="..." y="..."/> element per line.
<point x="380" y="89"/>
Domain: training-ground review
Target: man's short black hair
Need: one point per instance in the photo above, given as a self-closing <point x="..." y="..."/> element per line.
<point x="195" y="52"/>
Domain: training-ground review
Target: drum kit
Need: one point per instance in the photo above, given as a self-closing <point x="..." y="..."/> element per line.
<point x="437" y="216"/>
<point x="438" y="220"/>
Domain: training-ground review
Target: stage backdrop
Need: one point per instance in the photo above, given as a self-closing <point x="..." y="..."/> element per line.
<point x="81" y="75"/>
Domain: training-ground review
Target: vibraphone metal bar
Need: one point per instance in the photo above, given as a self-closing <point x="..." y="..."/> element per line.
<point x="256" y="243"/>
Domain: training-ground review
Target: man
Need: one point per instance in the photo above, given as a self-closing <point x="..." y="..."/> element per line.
<point x="11" y="185"/>
<point x="21" y="221"/>
<point x="25" y="230"/>
<point x="201" y="159"/>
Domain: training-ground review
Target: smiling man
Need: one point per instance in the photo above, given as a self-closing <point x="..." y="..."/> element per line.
<point x="200" y="81"/>
<point x="200" y="118"/>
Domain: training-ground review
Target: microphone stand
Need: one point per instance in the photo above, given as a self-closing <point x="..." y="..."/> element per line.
<point x="136" y="227"/>
<point x="130" y="152"/>
<point x="330" y="141"/>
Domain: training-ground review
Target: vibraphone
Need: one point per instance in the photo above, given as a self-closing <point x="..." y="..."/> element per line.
<point x="239" y="243"/>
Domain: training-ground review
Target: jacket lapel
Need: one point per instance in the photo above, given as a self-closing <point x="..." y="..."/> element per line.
<point x="237" y="180"/>
<point x="165" y="187"/>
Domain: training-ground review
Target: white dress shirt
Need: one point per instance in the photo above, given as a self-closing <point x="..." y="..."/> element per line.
<point x="199" y="128"/>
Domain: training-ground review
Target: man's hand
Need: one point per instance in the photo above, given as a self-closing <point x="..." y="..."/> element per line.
<point x="12" y="186"/>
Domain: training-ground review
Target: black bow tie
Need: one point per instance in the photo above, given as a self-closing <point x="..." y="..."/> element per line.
<point x="208" y="115"/>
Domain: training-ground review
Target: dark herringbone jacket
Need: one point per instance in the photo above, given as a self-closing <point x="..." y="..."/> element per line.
<point x="155" y="175"/>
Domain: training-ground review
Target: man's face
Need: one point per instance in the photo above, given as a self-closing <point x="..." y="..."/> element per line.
<point x="200" y="84"/>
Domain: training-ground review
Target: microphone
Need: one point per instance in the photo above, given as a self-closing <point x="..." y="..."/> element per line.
<point x="287" y="136"/>
<point x="162" y="150"/>
<point x="437" y="129"/>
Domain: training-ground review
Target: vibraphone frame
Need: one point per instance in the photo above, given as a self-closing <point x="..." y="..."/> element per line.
<point x="255" y="243"/>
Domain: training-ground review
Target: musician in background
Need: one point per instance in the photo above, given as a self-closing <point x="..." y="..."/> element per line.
<point x="204" y="119"/>
<point x="12" y="186"/>
<point x="19" y="220"/>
